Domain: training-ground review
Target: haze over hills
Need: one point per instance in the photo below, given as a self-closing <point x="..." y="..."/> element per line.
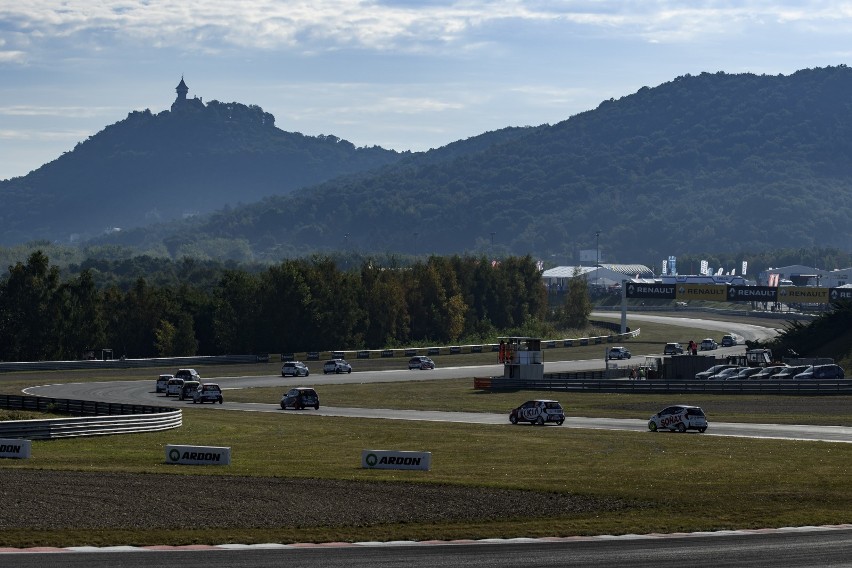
<point x="714" y="162"/>
<point x="192" y="159"/>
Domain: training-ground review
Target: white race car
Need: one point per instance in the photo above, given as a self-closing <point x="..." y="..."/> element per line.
<point x="680" y="418"/>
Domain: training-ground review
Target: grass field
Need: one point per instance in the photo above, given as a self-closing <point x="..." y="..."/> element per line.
<point x="663" y="482"/>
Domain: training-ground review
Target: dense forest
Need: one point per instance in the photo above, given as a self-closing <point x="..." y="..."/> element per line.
<point x="711" y="163"/>
<point x="297" y="305"/>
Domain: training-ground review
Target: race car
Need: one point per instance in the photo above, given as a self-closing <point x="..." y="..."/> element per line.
<point x="680" y="418"/>
<point x="538" y="412"/>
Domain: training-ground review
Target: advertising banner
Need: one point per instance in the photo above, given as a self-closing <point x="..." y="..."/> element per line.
<point x="653" y="291"/>
<point x="14" y="448"/>
<point x="837" y="294"/>
<point x="707" y="292"/>
<point x="752" y="294"/>
<point x="802" y="295"/>
<point x="392" y="459"/>
<point x="198" y="455"/>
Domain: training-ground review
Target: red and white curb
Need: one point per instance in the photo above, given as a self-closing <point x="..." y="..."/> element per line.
<point x="485" y="541"/>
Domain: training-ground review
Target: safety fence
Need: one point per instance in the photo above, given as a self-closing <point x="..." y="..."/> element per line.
<point x="595" y="381"/>
<point x="94" y="418"/>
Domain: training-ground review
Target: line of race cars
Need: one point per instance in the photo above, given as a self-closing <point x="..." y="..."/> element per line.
<point x="677" y="418"/>
<point x="186" y="384"/>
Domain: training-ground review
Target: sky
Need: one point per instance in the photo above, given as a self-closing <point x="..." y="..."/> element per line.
<point x="405" y="75"/>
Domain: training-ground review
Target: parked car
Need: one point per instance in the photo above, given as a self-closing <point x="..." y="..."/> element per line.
<point x="680" y="418"/>
<point x="336" y="366"/>
<point x="747" y="373"/>
<point x="673" y="349"/>
<point x="174" y="386"/>
<point x="707" y="344"/>
<point x="725" y="374"/>
<point x="768" y="372"/>
<point x="704" y="375"/>
<point x="538" y="412"/>
<point x="728" y="341"/>
<point x="207" y="392"/>
<point x="791" y="372"/>
<point x="163" y="382"/>
<point x="822" y="372"/>
<point x="294" y="369"/>
<point x="188" y="375"/>
<point x="187" y="389"/>
<point x="299" y="398"/>
<point x="420" y="362"/>
<point x="619" y="353"/>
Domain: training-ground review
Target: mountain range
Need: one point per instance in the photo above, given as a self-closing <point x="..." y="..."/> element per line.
<point x="711" y="162"/>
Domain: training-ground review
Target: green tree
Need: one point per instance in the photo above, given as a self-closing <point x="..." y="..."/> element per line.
<point x="574" y="311"/>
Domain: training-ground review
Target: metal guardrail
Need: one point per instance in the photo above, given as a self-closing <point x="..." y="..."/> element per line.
<point x="559" y="382"/>
<point x="99" y="418"/>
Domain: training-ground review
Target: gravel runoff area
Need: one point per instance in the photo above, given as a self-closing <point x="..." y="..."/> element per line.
<point x="59" y="500"/>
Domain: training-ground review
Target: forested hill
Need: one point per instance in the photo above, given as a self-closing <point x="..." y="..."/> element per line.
<point x="152" y="168"/>
<point x="714" y="162"/>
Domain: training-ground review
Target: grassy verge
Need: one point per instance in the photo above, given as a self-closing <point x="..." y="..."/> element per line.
<point x="668" y="482"/>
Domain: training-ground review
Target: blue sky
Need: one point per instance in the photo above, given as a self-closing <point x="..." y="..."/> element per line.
<point x="403" y="75"/>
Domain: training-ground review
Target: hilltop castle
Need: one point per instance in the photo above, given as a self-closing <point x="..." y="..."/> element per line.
<point x="182" y="103"/>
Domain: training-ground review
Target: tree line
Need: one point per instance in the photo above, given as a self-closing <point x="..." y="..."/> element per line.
<point x="297" y="305"/>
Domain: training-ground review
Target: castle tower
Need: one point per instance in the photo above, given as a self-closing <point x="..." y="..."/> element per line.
<point x="181" y="90"/>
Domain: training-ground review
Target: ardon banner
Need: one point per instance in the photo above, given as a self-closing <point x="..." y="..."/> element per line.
<point x="706" y="292"/>
<point x="393" y="459"/>
<point x="803" y="295"/>
<point x="15" y="448"/>
<point x="198" y="455"/>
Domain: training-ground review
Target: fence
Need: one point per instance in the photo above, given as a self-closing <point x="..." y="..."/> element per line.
<point x="595" y="381"/>
<point x="97" y="418"/>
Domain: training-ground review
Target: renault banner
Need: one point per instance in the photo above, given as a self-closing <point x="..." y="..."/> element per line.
<point x="752" y="294"/>
<point x="711" y="292"/>
<point x="653" y="291"/>
<point x="837" y="294"/>
<point x="802" y="295"/>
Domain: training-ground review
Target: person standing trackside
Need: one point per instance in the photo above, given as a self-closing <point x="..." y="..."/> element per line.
<point x="694" y="348"/>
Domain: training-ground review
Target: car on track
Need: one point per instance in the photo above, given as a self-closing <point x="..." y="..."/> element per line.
<point x="619" y="353"/>
<point x="681" y="418"/>
<point x="707" y="344"/>
<point x="420" y="362"/>
<point x="538" y="412"/>
<point x="188" y="375"/>
<point x="294" y="369"/>
<point x="336" y="366"/>
<point x="673" y="349"/>
<point x="207" y="392"/>
<point x="299" y="398"/>
<point x="187" y="389"/>
<point x="729" y="340"/>
<point x="704" y="375"/>
<point x="174" y="386"/>
<point x="163" y="382"/>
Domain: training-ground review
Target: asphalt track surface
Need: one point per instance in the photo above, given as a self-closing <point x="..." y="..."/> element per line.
<point x="811" y="547"/>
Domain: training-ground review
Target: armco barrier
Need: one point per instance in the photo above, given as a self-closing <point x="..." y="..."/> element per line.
<point x="99" y="418"/>
<point x="594" y="381"/>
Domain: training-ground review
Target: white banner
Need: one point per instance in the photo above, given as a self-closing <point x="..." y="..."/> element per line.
<point x="392" y="459"/>
<point x="14" y="448"/>
<point x="198" y="455"/>
<point x="745" y="265"/>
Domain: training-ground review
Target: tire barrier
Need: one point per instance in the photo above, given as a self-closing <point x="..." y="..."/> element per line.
<point x="97" y="418"/>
